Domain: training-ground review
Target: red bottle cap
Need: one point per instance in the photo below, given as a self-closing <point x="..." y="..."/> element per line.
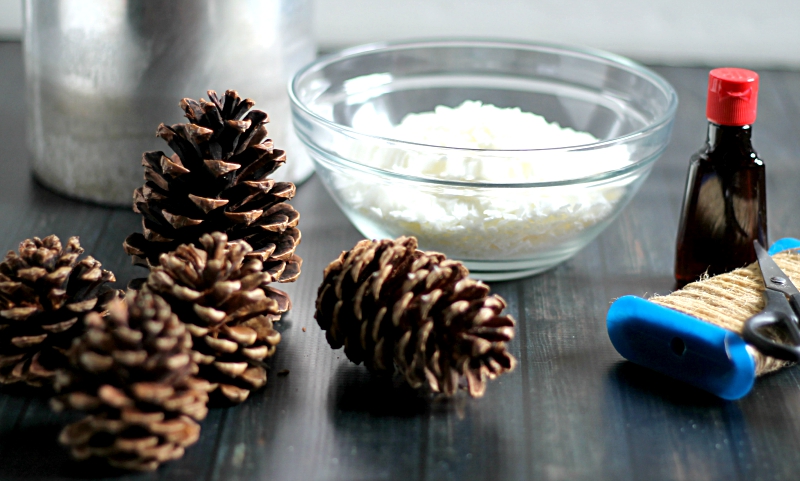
<point x="732" y="96"/>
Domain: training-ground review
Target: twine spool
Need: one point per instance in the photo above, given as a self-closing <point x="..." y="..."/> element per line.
<point x="728" y="300"/>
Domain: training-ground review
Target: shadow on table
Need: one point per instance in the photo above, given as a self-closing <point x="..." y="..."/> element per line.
<point x="44" y="196"/>
<point x="35" y="453"/>
<point x="383" y="429"/>
<point x="354" y="389"/>
<point x="23" y="391"/>
<point x="632" y="377"/>
<point x="699" y="420"/>
<point x="29" y="445"/>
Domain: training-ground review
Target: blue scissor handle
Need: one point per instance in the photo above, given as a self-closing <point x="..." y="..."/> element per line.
<point x="684" y="347"/>
<point x="681" y="346"/>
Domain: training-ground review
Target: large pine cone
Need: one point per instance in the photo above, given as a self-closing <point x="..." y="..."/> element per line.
<point x="133" y="372"/>
<point x="224" y="298"/>
<point x="396" y="308"/>
<point x="217" y="181"/>
<point x="45" y="292"/>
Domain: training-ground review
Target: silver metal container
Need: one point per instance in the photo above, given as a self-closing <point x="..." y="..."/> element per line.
<point x="102" y="74"/>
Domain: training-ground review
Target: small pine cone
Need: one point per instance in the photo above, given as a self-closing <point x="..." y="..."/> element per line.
<point x="45" y="292"/>
<point x="223" y="297"/>
<point x="133" y="373"/>
<point x="217" y="181"/>
<point x="399" y="309"/>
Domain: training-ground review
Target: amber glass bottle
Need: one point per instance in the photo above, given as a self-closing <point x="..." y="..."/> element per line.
<point x="725" y="203"/>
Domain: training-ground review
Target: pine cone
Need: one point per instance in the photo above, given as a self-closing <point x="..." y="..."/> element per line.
<point x="396" y="308"/>
<point x="217" y="181"/>
<point x="44" y="294"/>
<point x="223" y="297"/>
<point x="133" y="373"/>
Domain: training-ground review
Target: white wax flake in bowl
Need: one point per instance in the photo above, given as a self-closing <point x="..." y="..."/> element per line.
<point x="483" y="223"/>
<point x="473" y="125"/>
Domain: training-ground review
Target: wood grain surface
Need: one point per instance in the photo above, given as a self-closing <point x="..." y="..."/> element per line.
<point x="573" y="409"/>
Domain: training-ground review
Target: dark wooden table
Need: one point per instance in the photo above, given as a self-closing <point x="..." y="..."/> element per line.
<point x="573" y="409"/>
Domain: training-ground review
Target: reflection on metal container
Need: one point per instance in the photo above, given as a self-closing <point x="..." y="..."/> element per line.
<point x="102" y="74"/>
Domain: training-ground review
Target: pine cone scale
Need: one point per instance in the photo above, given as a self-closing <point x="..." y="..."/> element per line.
<point x="23" y="342"/>
<point x="18" y="313"/>
<point x="152" y="234"/>
<point x="8" y="360"/>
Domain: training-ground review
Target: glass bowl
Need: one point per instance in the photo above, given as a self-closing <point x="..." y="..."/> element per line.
<point x="505" y="213"/>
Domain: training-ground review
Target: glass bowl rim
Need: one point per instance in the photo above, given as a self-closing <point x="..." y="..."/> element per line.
<point x="589" y="53"/>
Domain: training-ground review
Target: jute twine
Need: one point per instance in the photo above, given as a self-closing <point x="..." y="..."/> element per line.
<point x="728" y="300"/>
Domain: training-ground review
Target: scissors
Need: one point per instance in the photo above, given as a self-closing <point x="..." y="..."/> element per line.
<point x="775" y="331"/>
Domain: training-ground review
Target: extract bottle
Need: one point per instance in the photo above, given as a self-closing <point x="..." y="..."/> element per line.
<point x="724" y="204"/>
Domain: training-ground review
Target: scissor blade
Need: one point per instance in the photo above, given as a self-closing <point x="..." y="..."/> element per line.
<point x="774" y="277"/>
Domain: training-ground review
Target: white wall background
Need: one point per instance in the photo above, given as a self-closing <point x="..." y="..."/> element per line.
<point x="747" y="33"/>
<point x="10" y="19"/>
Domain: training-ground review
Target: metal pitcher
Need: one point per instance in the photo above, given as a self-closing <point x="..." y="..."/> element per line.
<point x="102" y="74"/>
